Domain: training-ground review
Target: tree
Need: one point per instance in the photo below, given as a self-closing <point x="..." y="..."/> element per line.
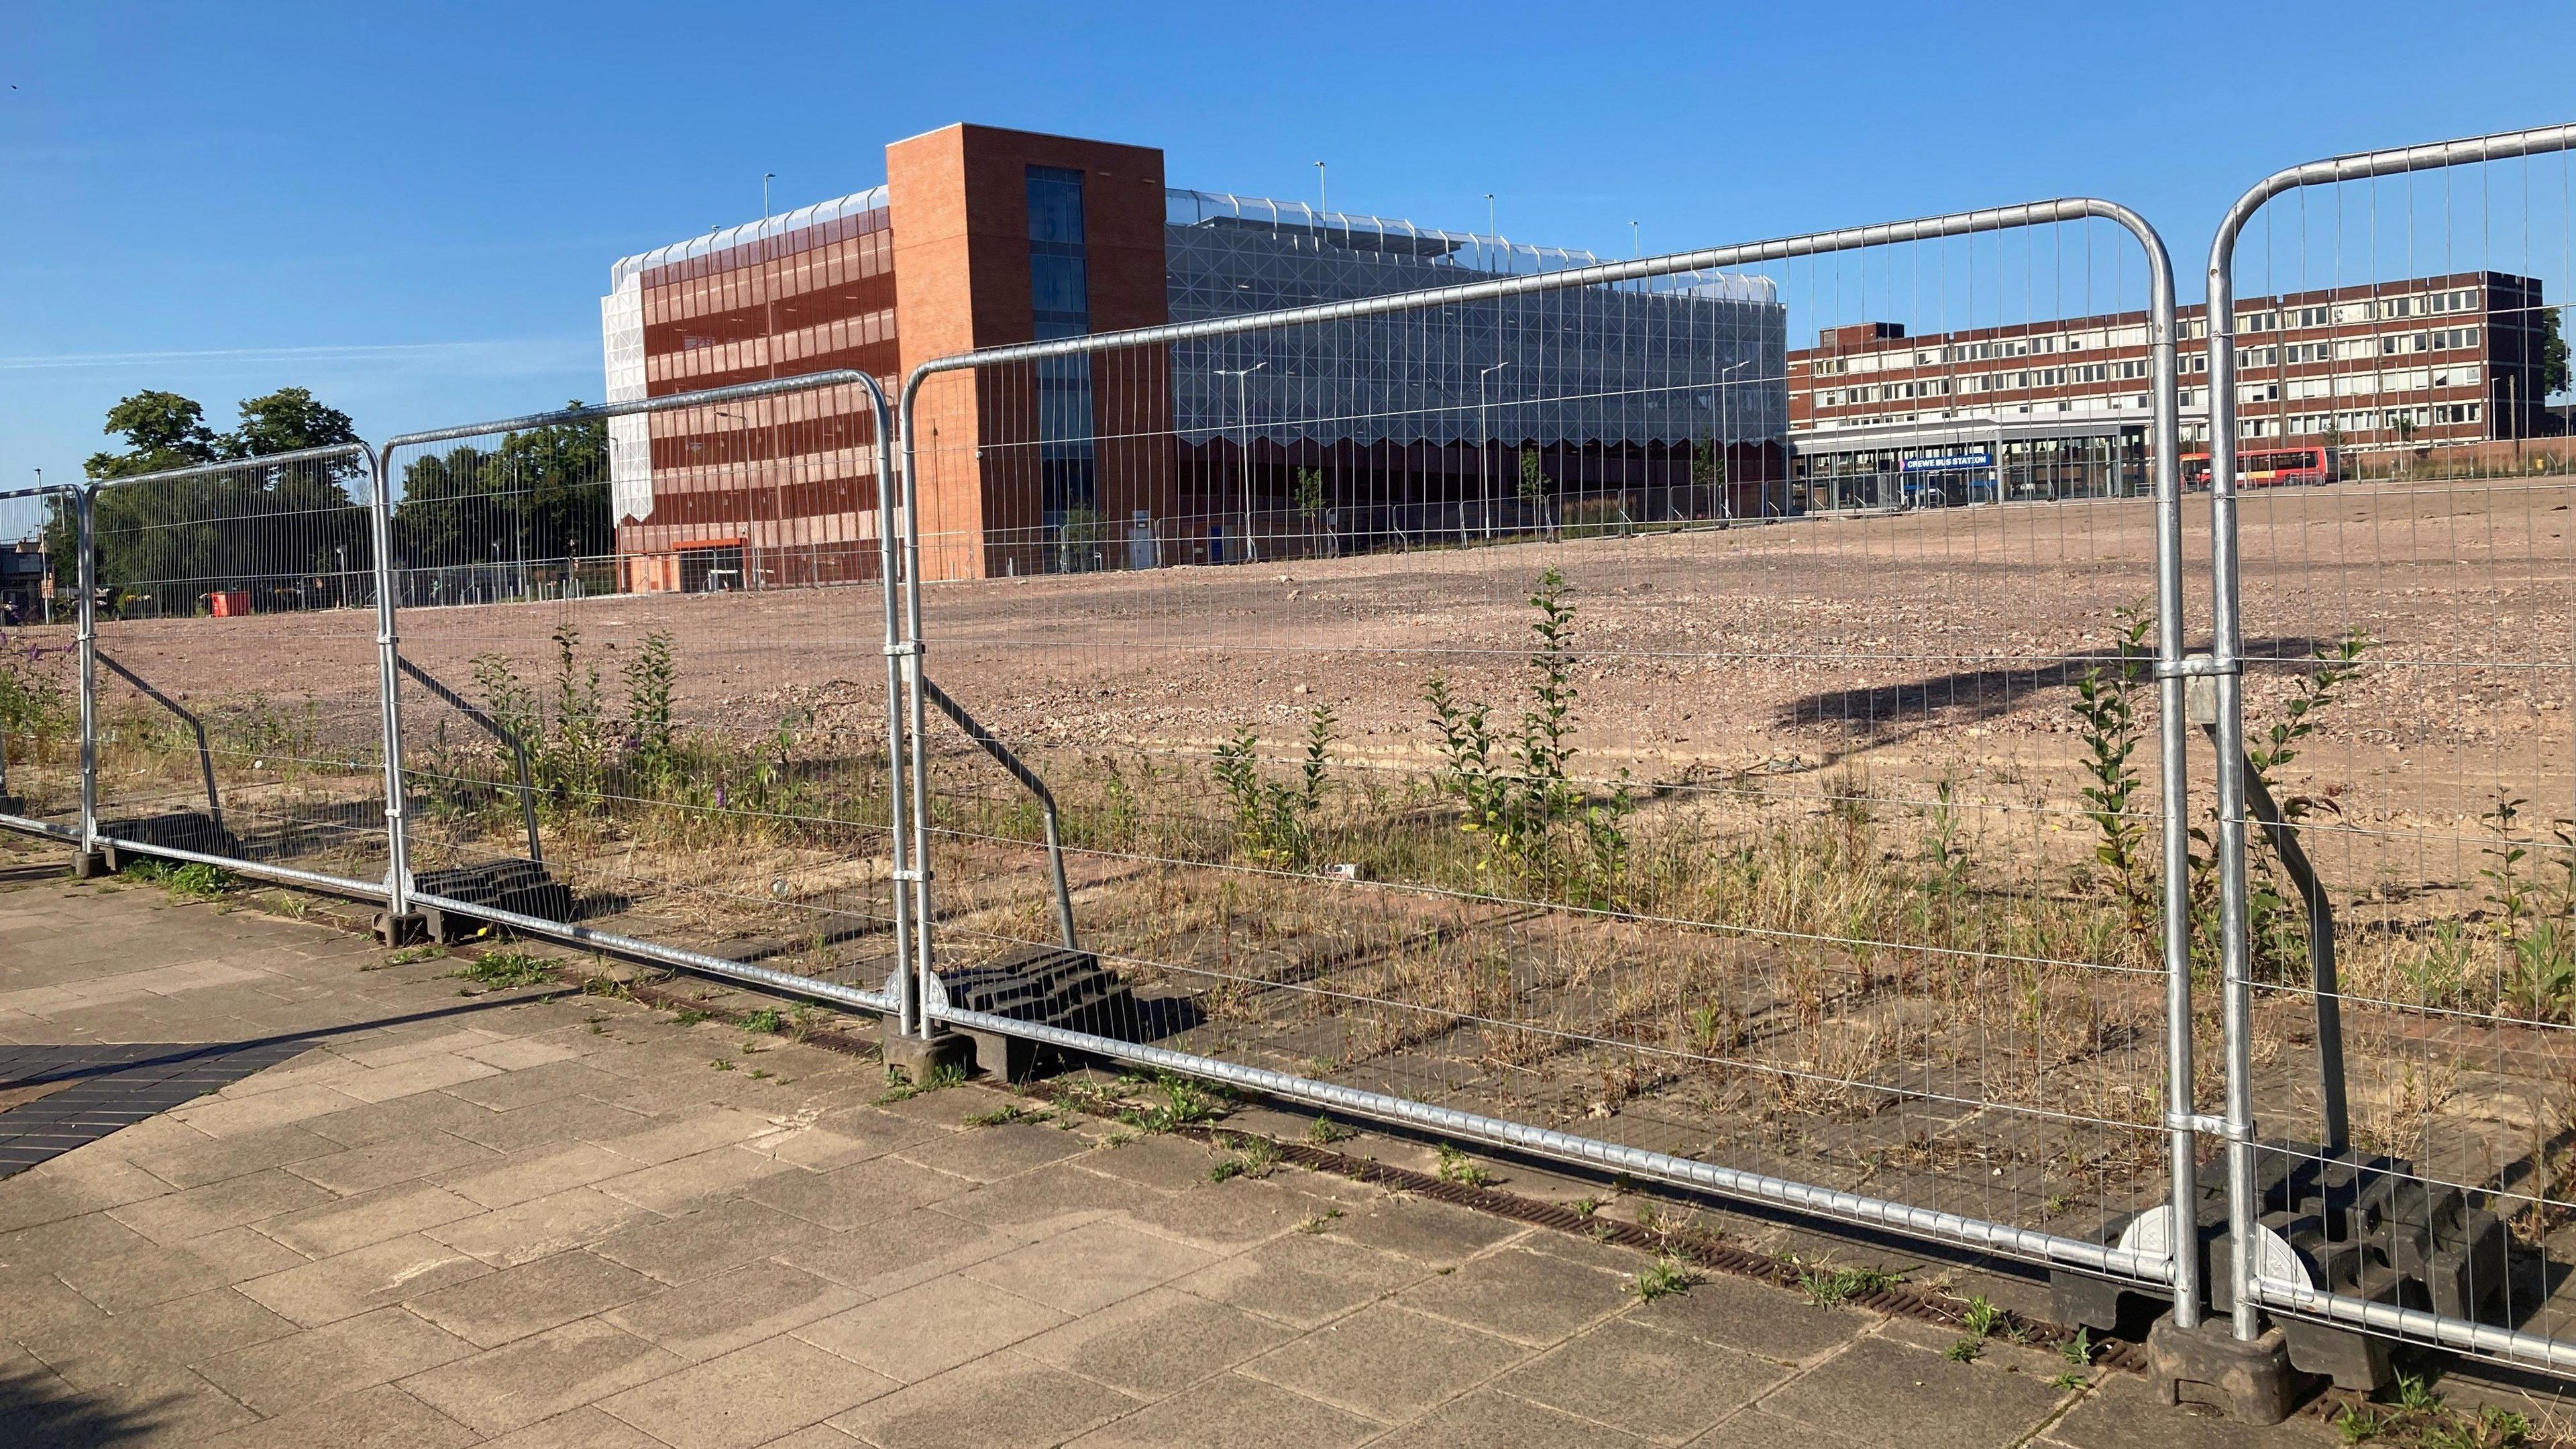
<point x="2553" y="355"/>
<point x="1708" y="475"/>
<point x="541" y="494"/>
<point x="162" y="430"/>
<point x="286" y="421"/>
<point x="1535" y="484"/>
<point x="268" y="530"/>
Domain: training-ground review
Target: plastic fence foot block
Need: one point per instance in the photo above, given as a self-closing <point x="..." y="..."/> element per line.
<point x="411" y="928"/>
<point x="2250" y="1382"/>
<point x="919" y="1058"/>
<point x="1010" y="1058"/>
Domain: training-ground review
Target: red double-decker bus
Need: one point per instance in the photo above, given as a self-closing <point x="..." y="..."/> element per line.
<point x="2269" y="468"/>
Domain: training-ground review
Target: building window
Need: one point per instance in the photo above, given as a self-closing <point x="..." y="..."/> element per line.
<point x="1060" y="306"/>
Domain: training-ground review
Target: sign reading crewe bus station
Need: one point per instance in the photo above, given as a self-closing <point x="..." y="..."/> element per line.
<point x="1950" y="462"/>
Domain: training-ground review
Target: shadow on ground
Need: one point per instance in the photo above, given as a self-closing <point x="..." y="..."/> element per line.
<point x="38" y="1408"/>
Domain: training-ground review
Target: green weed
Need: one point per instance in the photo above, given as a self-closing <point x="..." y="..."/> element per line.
<point x="498" y="970"/>
<point x="900" y="1089"/>
<point x="1828" y="1286"/>
<point x="1667" y="1277"/>
<point x="1458" y="1167"/>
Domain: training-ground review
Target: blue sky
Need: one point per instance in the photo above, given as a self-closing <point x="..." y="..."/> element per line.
<point x="411" y="208"/>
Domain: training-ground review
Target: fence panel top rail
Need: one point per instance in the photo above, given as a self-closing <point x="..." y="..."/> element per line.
<point x="1930" y="228"/>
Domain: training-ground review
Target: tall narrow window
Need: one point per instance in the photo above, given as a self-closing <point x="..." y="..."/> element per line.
<point x="1060" y="306"/>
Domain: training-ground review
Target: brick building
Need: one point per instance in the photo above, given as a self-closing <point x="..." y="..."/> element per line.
<point x="982" y="237"/>
<point x="2060" y="408"/>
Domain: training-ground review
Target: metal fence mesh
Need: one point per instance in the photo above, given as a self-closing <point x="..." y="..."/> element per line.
<point x="39" y="663"/>
<point x="238" y="687"/>
<point x="1566" y="767"/>
<point x="658" y="714"/>
<point x="2407" y="648"/>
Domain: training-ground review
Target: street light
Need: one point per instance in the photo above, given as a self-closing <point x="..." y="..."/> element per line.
<point x="45" y="554"/>
<point x="1726" y="483"/>
<point x="750" y="504"/>
<point x="1243" y="425"/>
<point x="1485" y="446"/>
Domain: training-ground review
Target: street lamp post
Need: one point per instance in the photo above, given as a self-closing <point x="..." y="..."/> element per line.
<point x="1243" y="428"/>
<point x="750" y="507"/>
<point x="1485" y="446"/>
<point x="1726" y="479"/>
<point x="45" y="553"/>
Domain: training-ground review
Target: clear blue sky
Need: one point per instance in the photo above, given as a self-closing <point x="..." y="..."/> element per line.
<point x="411" y="208"/>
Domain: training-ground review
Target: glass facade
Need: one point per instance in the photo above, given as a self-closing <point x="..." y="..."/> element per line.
<point x="1689" y="358"/>
<point x="1060" y="306"/>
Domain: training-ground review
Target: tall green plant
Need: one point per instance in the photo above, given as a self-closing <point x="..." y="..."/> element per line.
<point x="649" y="674"/>
<point x="1274" y="819"/>
<point x="1516" y="792"/>
<point x="2107" y="721"/>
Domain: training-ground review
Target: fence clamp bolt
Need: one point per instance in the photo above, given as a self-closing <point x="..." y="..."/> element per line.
<point x="2195" y="1122"/>
<point x="904" y="650"/>
<point x="2198" y="666"/>
<point x="908" y="874"/>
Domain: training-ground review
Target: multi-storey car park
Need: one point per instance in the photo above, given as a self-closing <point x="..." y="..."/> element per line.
<point x="982" y="237"/>
<point x="2059" y="408"/>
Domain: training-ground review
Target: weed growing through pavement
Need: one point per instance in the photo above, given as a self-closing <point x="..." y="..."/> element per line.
<point x="1173" y="1103"/>
<point x="1983" y="1318"/>
<point x="2077" y="1351"/>
<point x="1324" y="1132"/>
<point x="1965" y="1350"/>
<point x="900" y="1089"/>
<point x="722" y="1065"/>
<point x="1320" y="1221"/>
<point x="1665" y="1278"/>
<point x="499" y="970"/>
<point x="191" y="881"/>
<point x="2419" y="1419"/>
<point x="1828" y="1286"/>
<point x="1253" y="1157"/>
<point x="1003" y="1116"/>
<point x="764" y="1022"/>
<point x="1458" y="1167"/>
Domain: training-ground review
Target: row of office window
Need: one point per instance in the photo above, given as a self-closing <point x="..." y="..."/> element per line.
<point x="2349" y="349"/>
<point x="2376" y="309"/>
<point x="2365" y="420"/>
<point x="2425" y="304"/>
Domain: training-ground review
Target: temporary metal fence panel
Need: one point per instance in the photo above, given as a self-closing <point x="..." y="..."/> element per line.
<point x="237" y="693"/>
<point x="2404" y="635"/>
<point x="40" y="734"/>
<point x="1586" y="792"/>
<point x="643" y="679"/>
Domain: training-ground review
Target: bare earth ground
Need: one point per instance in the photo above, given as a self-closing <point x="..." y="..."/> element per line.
<point x="526" y="1218"/>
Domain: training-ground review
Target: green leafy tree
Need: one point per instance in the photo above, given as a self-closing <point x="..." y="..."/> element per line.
<point x="282" y="532"/>
<point x="540" y="494"/>
<point x="162" y="431"/>
<point x="2553" y="354"/>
